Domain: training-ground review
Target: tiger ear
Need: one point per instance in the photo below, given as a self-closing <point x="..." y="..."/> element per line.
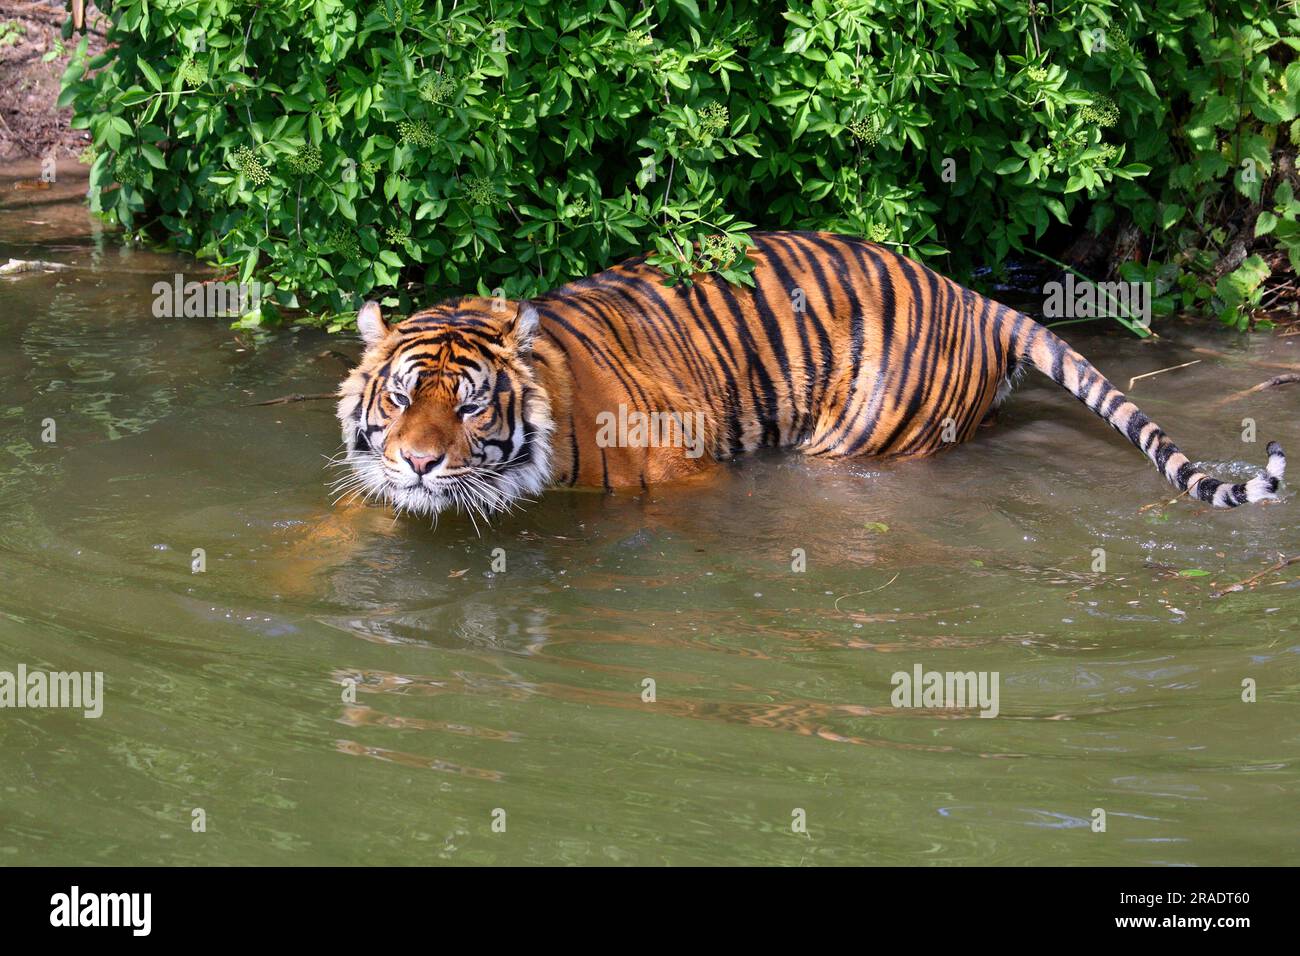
<point x="371" y="324"/>
<point x="522" y="330"/>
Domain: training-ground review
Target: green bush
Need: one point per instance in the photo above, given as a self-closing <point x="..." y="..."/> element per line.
<point x="349" y="148"/>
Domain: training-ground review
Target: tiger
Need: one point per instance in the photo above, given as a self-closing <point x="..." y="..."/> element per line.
<point x="840" y="348"/>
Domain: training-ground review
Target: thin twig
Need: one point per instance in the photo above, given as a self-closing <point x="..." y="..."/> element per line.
<point x="1287" y="378"/>
<point x="872" y="591"/>
<point x="289" y="399"/>
<point x="1275" y="292"/>
<point x="1159" y="371"/>
<point x="1241" y="585"/>
<point x="1288" y="366"/>
<point x="1161" y="504"/>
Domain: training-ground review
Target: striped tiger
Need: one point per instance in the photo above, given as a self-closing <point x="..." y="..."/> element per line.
<point x="840" y="349"/>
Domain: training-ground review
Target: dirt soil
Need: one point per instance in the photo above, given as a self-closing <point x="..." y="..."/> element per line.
<point x="30" y="124"/>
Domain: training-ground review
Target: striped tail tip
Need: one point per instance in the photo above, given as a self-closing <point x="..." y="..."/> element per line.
<point x="1263" y="487"/>
<point x="1272" y="475"/>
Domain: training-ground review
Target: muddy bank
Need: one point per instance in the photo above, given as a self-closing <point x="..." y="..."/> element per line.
<point x="32" y="60"/>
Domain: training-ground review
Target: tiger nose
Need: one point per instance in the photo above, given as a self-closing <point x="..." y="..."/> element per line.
<point x="422" y="464"/>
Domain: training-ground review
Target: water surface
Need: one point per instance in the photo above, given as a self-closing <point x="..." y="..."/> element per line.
<point x="522" y="691"/>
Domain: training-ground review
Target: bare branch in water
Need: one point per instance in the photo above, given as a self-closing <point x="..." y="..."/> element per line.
<point x="290" y="399"/>
<point x="1242" y="585"/>
<point x="1287" y="378"/>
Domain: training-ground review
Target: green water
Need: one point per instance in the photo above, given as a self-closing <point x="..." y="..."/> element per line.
<point x="521" y="691"/>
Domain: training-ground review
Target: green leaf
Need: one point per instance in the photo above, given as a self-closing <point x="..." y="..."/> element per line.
<point x="150" y="75"/>
<point x="132" y="97"/>
<point x="153" y="155"/>
<point x="690" y="9"/>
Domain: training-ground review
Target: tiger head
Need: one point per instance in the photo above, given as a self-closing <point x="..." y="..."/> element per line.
<point x="445" y="409"/>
